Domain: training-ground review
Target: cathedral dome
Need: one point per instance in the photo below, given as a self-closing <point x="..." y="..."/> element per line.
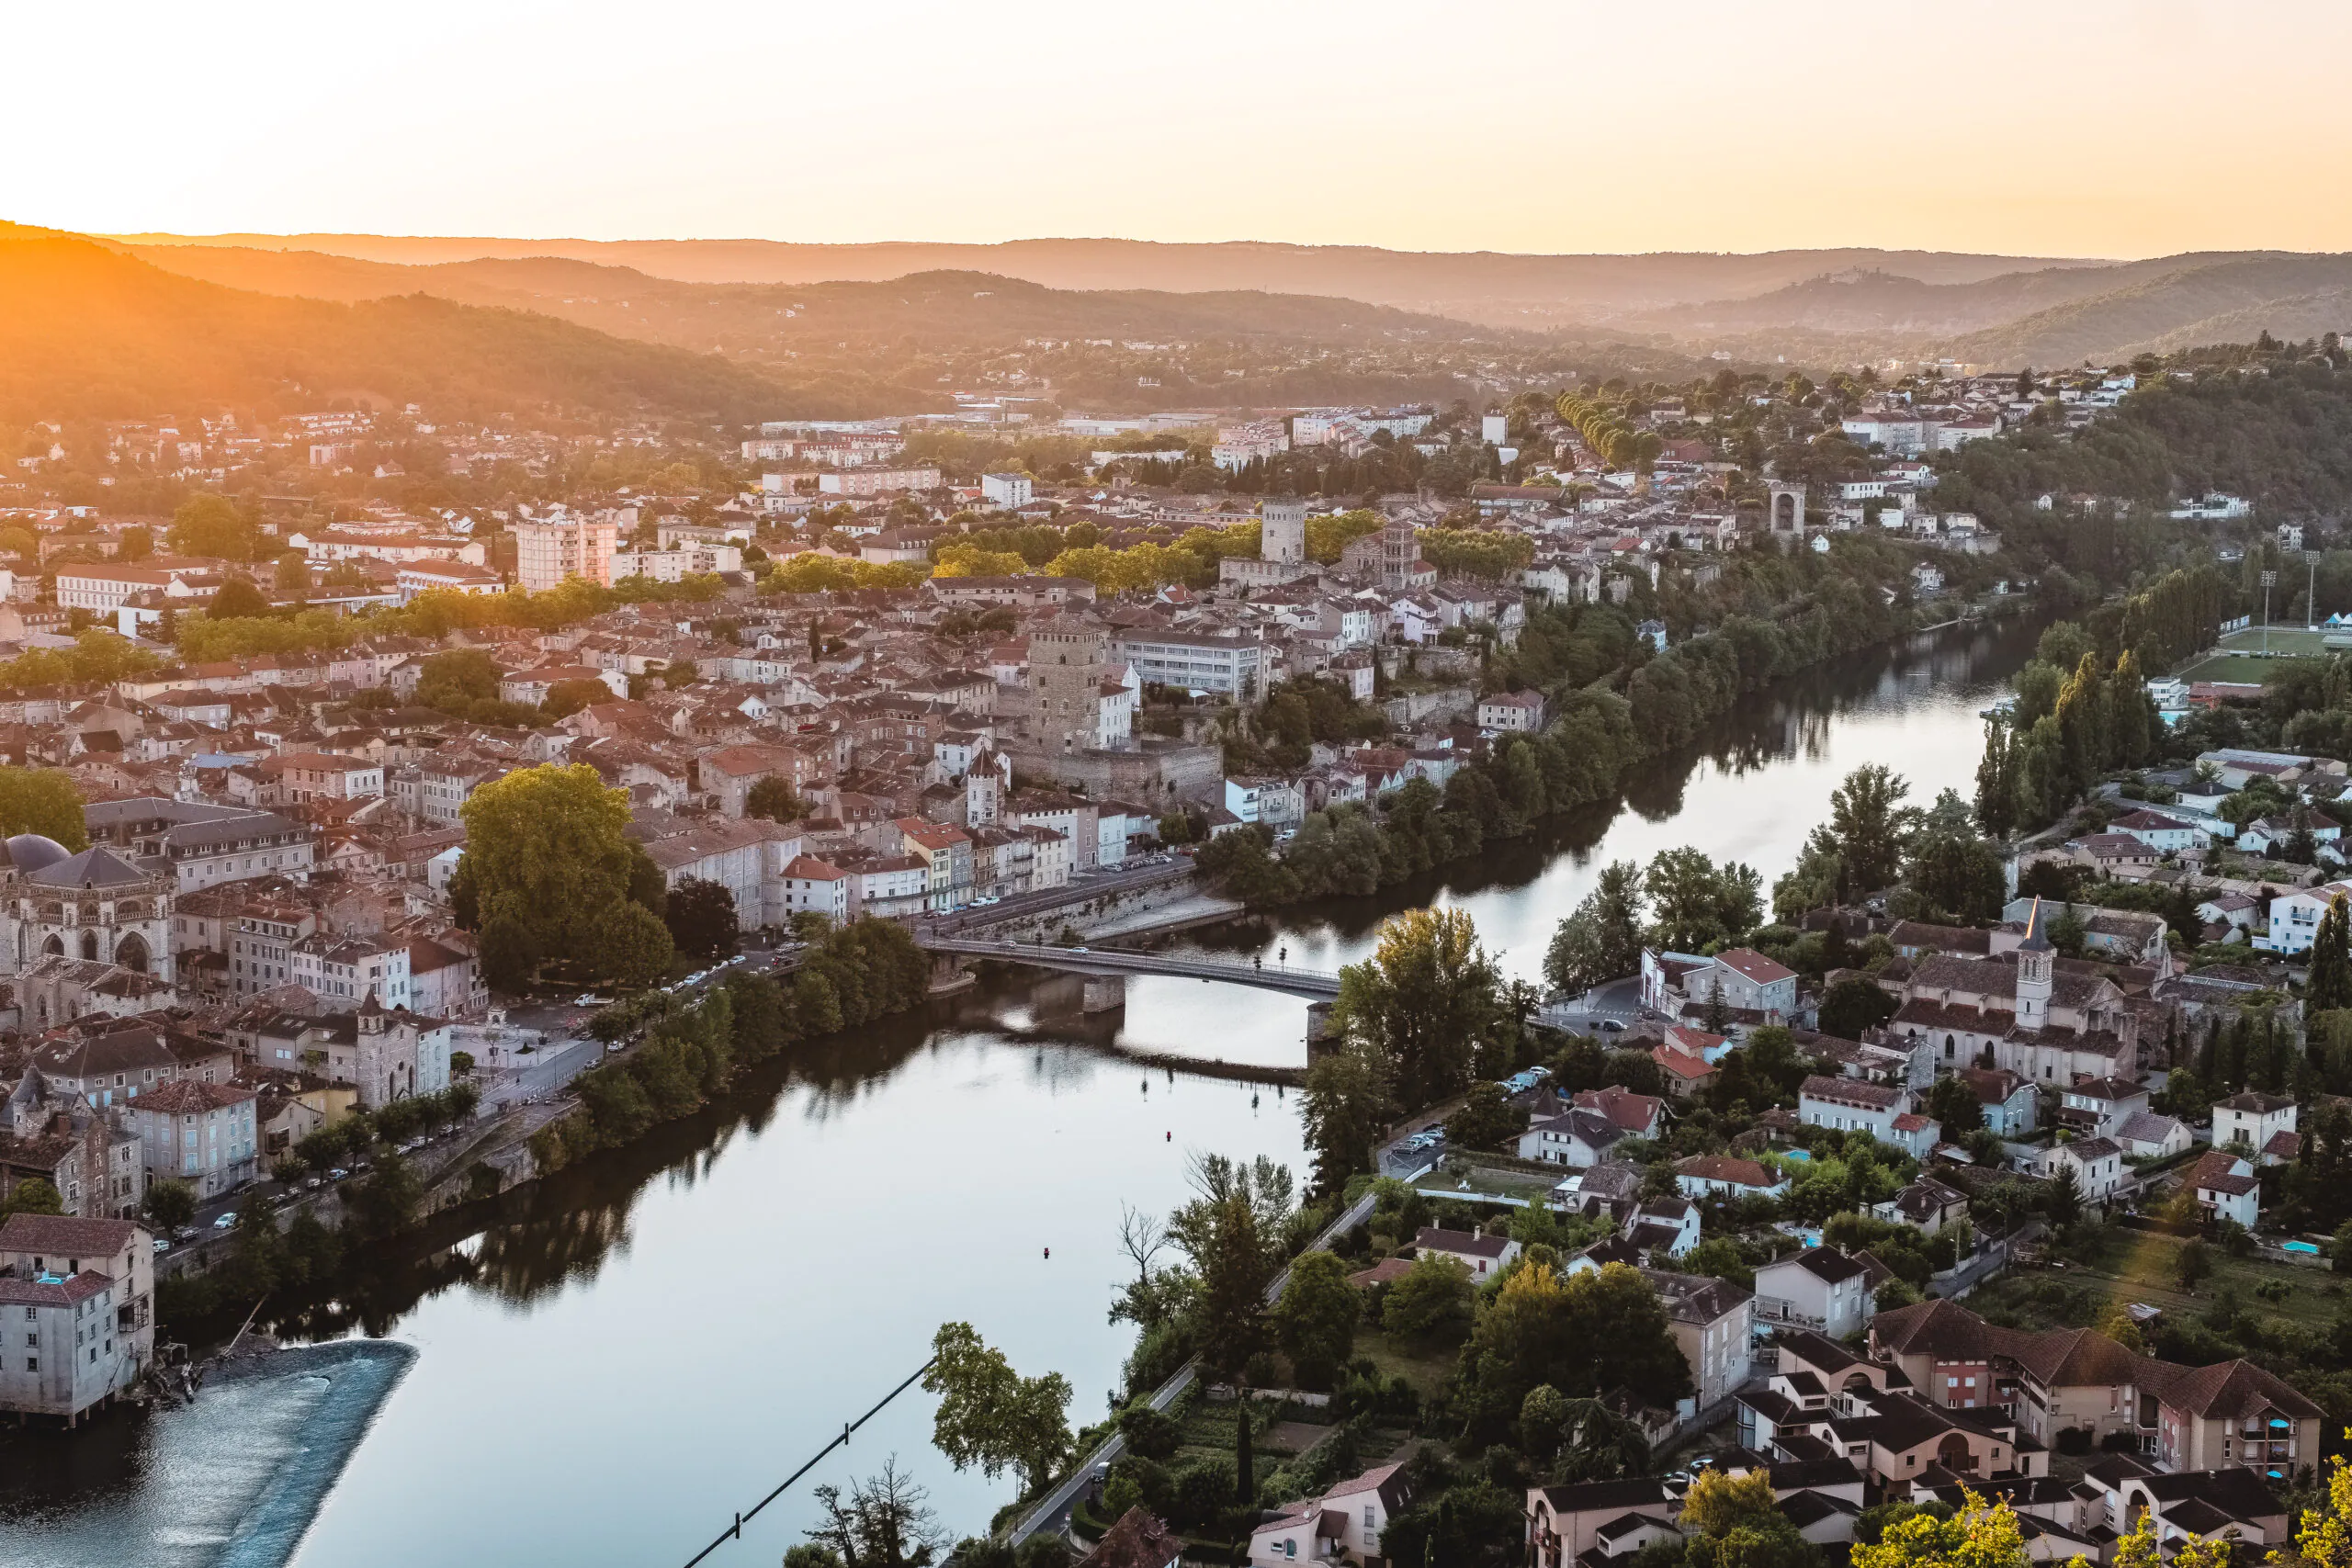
<point x="30" y="851"/>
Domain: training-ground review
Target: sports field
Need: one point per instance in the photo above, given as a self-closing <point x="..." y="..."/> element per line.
<point x="2242" y="657"/>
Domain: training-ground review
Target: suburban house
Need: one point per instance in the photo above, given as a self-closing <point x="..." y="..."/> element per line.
<point x="2149" y="1137"/>
<point x="2009" y="1103"/>
<point x="1752" y="987"/>
<point x="1574" y="1137"/>
<point x="1881" y="1109"/>
<point x="2096" y="1164"/>
<point x="2100" y="1106"/>
<point x="2261" y="1126"/>
<point x="1819" y="1287"/>
<point x="1483" y="1256"/>
<point x="1342" y="1524"/>
<point x="2226" y="1187"/>
<point x="1723" y="1176"/>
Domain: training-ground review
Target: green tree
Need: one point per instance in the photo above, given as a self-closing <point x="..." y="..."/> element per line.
<point x="32" y="1196"/>
<point x="1996" y="784"/>
<point x="1432" y="1299"/>
<point x="170" y="1205"/>
<point x="1952" y="1102"/>
<point x="457" y="678"/>
<point x="236" y="599"/>
<point x="1314" y="1318"/>
<point x="2330" y="983"/>
<point x="1871" y="825"/>
<point x="1695" y="905"/>
<point x="568" y="697"/>
<point x="1978" y="1536"/>
<point x="775" y="798"/>
<point x="1602" y="939"/>
<point x="701" y="917"/>
<point x="1347" y="1111"/>
<point x="991" y="1417"/>
<point x="1485" y="1118"/>
<point x="1427" y="1000"/>
<point x="1718" y="1502"/>
<point x="1853" y="1005"/>
<point x="549" y="871"/>
<point x="43" y="801"/>
<point x="209" y="525"/>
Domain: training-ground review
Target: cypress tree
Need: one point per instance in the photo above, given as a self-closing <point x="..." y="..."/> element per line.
<point x="1245" y="1464"/>
<point x="2329" y="982"/>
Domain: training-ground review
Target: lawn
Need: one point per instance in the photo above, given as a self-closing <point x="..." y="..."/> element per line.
<point x="2141" y="1266"/>
<point x="1425" y="1366"/>
<point x="2240" y="668"/>
<point x="2292" y="641"/>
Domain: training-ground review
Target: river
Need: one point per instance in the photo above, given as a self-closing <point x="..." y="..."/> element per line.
<point x="609" y="1364"/>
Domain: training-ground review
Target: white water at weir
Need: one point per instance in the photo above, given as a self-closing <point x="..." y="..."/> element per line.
<point x="235" y="1479"/>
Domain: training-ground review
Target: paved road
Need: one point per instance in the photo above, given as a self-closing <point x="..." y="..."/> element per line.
<point x="1618" y="1002"/>
<point x="1082" y="888"/>
<point x="1314" y="983"/>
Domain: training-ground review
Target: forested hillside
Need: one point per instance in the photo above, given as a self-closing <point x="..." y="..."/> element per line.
<point x="86" y="331"/>
<point x="2272" y="424"/>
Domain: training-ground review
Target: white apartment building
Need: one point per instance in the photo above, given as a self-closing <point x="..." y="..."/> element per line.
<point x="550" y="549"/>
<point x="877" y="481"/>
<point x="1195" y="662"/>
<point x="1007" y="490"/>
<point x="677" y="565"/>
<point x="813" y="886"/>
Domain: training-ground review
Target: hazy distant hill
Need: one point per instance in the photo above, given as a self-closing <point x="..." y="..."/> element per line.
<point x="1481" y="286"/>
<point x="938" y="310"/>
<point x="89" y="331"/>
<point x="2197" y="299"/>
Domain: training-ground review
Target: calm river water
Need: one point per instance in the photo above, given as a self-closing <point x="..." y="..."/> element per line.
<point x="629" y="1353"/>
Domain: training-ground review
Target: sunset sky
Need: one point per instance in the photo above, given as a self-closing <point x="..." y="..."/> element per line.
<point x="2051" y="128"/>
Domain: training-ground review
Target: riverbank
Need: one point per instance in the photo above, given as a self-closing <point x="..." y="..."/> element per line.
<point x="1593" y="754"/>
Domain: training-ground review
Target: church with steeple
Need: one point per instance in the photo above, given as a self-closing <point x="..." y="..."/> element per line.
<point x="2023" y="1008"/>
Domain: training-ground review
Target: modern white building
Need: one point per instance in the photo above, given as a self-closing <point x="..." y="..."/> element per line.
<point x="550" y="549"/>
<point x="1008" y="491"/>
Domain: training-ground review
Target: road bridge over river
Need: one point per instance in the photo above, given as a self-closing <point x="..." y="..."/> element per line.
<point x="1314" y="984"/>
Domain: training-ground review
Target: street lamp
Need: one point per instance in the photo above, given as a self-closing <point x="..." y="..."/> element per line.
<point x="2268" y="579"/>
<point x="2310" y="590"/>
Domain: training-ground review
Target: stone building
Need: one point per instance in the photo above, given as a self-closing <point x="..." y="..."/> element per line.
<point x="92" y="906"/>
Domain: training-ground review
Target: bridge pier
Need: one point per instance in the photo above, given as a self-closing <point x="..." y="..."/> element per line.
<point x="1104" y="993"/>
